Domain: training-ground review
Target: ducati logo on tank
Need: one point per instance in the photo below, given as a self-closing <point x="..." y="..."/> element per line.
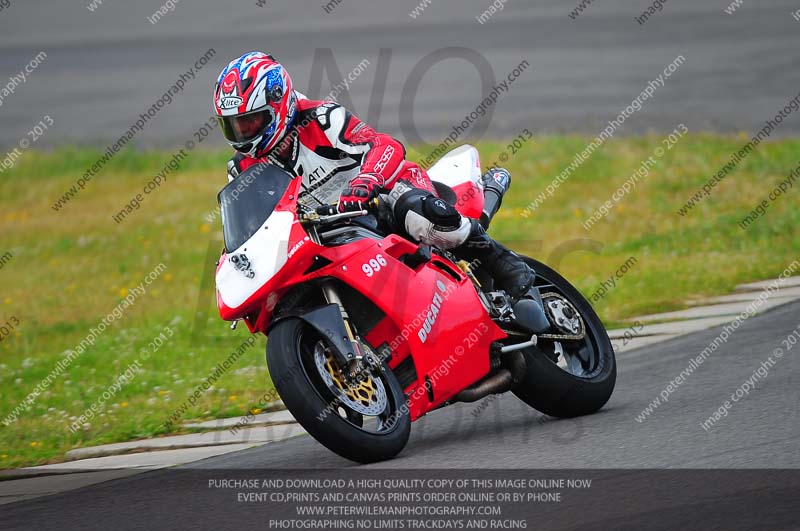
<point x="433" y="312"/>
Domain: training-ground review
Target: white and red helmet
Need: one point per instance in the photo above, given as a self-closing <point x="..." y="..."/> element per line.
<point x="255" y="103"/>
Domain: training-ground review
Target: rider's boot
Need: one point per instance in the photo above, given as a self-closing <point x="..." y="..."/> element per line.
<point x="506" y="267"/>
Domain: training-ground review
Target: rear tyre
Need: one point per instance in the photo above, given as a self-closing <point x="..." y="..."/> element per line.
<point x="568" y="378"/>
<point x="365" y="424"/>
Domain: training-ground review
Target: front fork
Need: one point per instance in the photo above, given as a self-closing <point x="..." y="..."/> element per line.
<point x="355" y="359"/>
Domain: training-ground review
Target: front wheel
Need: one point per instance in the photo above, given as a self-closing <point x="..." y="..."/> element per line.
<point x="365" y="423"/>
<point x="572" y="370"/>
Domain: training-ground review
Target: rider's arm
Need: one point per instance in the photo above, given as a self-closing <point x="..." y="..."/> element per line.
<point x="237" y="164"/>
<point x="381" y="155"/>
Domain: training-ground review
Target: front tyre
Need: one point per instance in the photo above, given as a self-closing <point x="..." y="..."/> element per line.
<point x="567" y="377"/>
<point x="364" y="423"/>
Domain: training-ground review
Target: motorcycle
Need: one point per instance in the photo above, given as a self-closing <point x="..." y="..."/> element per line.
<point x="369" y="331"/>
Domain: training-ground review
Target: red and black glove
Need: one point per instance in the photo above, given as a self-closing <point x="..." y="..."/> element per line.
<point x="361" y="189"/>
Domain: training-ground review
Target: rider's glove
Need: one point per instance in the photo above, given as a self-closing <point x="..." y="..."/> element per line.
<point x="359" y="192"/>
<point x="235" y="166"/>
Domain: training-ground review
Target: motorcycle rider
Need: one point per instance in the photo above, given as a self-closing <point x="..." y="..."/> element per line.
<point x="340" y="157"/>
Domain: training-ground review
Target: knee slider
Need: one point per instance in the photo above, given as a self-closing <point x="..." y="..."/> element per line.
<point x="440" y="212"/>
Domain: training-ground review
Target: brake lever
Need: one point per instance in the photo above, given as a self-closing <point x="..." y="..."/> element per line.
<point x="313" y="217"/>
<point x="329" y="213"/>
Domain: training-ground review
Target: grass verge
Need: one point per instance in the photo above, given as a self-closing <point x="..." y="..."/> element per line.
<point x="62" y="272"/>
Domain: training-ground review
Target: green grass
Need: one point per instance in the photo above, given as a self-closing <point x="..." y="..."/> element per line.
<point x="71" y="268"/>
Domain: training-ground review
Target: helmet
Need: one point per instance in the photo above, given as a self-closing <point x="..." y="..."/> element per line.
<point x="255" y="103"/>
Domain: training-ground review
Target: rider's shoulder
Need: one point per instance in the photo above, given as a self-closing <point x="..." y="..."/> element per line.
<point x="325" y="113"/>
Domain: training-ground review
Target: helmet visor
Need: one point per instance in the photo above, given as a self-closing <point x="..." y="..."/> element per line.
<point x="244" y="128"/>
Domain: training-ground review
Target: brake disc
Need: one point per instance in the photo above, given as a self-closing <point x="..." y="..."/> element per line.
<point x="367" y="396"/>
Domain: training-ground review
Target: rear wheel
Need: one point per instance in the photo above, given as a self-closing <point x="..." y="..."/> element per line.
<point x="573" y="371"/>
<point x="364" y="422"/>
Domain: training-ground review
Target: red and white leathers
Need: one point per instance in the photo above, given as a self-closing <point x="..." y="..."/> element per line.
<point x="332" y="150"/>
<point x="327" y="146"/>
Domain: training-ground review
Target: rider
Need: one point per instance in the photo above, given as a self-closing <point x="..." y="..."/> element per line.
<point x="340" y="157"/>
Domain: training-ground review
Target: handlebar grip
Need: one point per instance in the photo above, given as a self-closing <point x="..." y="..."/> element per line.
<point x="330" y="210"/>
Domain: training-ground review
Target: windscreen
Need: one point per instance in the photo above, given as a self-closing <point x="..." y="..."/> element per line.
<point x="247" y="201"/>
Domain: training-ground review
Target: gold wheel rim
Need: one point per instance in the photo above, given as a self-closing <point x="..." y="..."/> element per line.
<point x="363" y="393"/>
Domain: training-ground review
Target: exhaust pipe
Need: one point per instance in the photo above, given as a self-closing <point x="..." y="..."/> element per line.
<point x="500" y="382"/>
<point x="497" y="383"/>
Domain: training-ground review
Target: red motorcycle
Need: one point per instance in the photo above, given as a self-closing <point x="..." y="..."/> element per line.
<point x="368" y="331"/>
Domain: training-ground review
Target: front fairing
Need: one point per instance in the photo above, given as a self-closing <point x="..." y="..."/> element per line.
<point x="259" y="224"/>
<point x="249" y="200"/>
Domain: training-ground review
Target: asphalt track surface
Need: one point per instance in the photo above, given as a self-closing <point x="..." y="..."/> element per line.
<point x="104" y="68"/>
<point x="761" y="431"/>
